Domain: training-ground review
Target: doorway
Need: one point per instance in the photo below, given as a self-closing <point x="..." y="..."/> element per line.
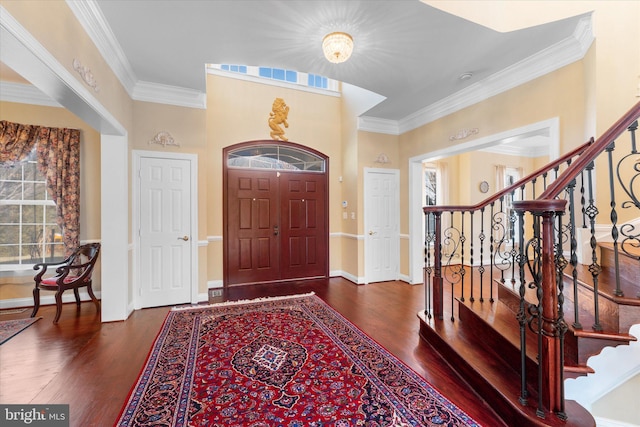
<point x="275" y="213"/>
<point x="381" y="222"/>
<point x="166" y="228"/>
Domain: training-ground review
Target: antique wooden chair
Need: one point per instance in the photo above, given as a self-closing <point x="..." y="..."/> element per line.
<point x="72" y="273"/>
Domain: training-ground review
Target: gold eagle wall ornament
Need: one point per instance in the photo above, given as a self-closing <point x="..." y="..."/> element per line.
<point x="278" y="118"/>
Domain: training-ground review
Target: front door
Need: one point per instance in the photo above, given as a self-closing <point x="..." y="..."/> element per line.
<point x="165" y="231"/>
<point x="275" y="213"/>
<point x="252" y="226"/>
<point x="302" y="219"/>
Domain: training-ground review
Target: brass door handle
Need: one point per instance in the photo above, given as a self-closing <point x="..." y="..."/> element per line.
<point x="276" y="230"/>
<point x="185" y="238"/>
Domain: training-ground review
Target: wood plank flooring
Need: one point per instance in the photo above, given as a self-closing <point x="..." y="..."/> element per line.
<point x="92" y="365"/>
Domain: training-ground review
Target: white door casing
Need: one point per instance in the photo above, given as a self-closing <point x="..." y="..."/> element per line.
<point x="381" y="224"/>
<point x="166" y="231"/>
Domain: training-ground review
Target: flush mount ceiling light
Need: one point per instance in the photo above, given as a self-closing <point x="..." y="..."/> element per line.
<point x="337" y="47"/>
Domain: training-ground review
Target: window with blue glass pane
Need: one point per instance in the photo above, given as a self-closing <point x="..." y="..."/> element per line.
<point x="324" y="82"/>
<point x="242" y="69"/>
<point x="292" y="76"/>
<point x="278" y="74"/>
<point x="265" y="72"/>
<point x="225" y="67"/>
<point x="234" y="68"/>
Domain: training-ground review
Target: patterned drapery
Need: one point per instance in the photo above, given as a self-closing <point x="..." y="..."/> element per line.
<point x="58" y="159"/>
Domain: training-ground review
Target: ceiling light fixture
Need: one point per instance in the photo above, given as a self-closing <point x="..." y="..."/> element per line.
<point x="337" y="47"/>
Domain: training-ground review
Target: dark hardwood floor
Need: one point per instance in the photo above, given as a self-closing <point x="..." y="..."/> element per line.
<point x="92" y="365"/>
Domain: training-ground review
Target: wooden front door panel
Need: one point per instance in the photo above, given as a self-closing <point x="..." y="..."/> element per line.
<point x="302" y="218"/>
<point x="252" y="222"/>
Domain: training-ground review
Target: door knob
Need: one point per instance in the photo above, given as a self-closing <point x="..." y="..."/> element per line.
<point x="371" y="233"/>
<point x="276" y="230"/>
<point x="185" y="238"/>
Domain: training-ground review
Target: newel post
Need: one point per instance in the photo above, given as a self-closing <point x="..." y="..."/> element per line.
<point x="550" y="373"/>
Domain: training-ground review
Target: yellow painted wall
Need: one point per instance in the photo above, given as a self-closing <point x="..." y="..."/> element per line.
<point x="21" y="285"/>
<point x="55" y="26"/>
<point x="238" y="111"/>
<point x="587" y="96"/>
<point x="187" y="127"/>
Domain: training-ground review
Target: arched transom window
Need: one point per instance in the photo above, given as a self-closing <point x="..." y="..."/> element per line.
<point x="276" y="157"/>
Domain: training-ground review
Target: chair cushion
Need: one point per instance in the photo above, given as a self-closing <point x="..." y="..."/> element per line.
<point x="53" y="280"/>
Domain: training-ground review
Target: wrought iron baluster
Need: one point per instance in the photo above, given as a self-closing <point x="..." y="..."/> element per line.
<point x="491" y="251"/>
<point x="463" y="239"/>
<point x="429" y="237"/>
<point x="522" y="314"/>
<point x="573" y="260"/>
<point x="481" y="269"/>
<point x="560" y="326"/>
<point x="583" y="201"/>
<point x="594" y="268"/>
<point x="471" y="298"/>
<point x="614" y="218"/>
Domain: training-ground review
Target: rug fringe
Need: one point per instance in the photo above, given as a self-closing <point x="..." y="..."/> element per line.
<point x="242" y="301"/>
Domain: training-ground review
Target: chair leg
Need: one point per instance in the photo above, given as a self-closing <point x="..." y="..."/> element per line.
<point x="36" y="301"/>
<point x="77" y="295"/>
<point x="93" y="297"/>
<point x="58" y="305"/>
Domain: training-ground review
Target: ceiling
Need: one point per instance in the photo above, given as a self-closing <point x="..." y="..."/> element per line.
<point x="409" y="53"/>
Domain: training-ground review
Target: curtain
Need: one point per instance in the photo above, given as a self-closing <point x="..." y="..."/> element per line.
<point x="16" y="141"/>
<point x="58" y="159"/>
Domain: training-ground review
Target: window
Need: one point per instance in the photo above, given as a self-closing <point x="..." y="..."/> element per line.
<point x="29" y="233"/>
<point x="511" y="176"/>
<point x="289" y="76"/>
<point x="430" y="193"/>
<point x="275" y="157"/>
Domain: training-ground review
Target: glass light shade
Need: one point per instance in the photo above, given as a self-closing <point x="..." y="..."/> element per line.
<point x="337" y="47"/>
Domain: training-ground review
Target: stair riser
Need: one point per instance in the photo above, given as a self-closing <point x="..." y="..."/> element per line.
<point x="629" y="267"/>
<point x="508" y="352"/>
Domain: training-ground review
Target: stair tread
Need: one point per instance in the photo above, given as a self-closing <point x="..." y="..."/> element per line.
<point x="483" y="367"/>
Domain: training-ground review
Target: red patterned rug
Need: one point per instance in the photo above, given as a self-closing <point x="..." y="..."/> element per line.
<point x="285" y="361"/>
<point x="11" y="328"/>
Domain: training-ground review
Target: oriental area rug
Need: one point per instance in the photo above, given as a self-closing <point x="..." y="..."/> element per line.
<point x="285" y="361"/>
<point x="10" y="328"/>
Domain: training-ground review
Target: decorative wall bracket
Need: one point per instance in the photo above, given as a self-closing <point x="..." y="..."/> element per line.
<point x="464" y="133"/>
<point x="164" y="138"/>
<point x="382" y="159"/>
<point x="86" y="75"/>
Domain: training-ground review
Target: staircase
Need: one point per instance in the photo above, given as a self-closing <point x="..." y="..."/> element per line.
<point x="508" y="304"/>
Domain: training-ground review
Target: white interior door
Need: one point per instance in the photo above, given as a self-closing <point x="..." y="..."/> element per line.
<point x="381" y="223"/>
<point x="165" y="231"/>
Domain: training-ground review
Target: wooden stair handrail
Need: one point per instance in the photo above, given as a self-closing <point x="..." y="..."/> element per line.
<point x="571" y="173"/>
<point x="548" y="167"/>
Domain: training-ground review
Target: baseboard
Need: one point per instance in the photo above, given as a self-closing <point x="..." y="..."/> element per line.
<point x="44" y="300"/>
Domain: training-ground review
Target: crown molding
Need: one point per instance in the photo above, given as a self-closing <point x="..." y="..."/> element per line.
<point x="376" y="125"/>
<point x="26" y="55"/>
<point x="563" y="53"/>
<point x="95" y="25"/>
<point x="172" y="95"/>
<point x="25" y="94"/>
